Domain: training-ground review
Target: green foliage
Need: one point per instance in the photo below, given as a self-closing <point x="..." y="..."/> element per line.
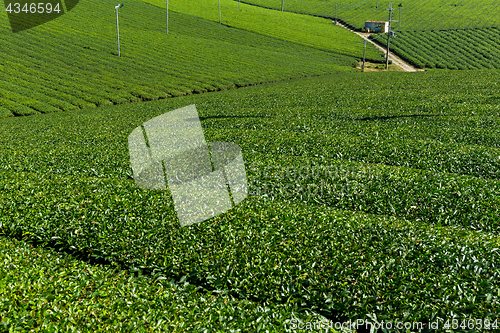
<point x="42" y="290"/>
<point x="5" y="113"/>
<point x="72" y="62"/>
<point x="301" y="29"/>
<point x="454" y="49"/>
<point x="416" y="15"/>
<point x="401" y="223"/>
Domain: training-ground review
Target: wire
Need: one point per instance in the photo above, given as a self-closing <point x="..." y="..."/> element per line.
<point x="239" y="48"/>
<point x="151" y="26"/>
<point x="354" y="6"/>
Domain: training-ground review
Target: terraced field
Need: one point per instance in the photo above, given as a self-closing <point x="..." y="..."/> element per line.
<point x="417" y="15"/>
<point x="301" y="29"/>
<point x="56" y="291"/>
<point x="454" y="49"/>
<point x="379" y="204"/>
<point x="72" y="62"/>
<point x="371" y="195"/>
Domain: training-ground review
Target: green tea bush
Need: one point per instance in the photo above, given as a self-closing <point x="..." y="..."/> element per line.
<point x="401" y="221"/>
<point x="314" y="32"/>
<point x="5" y="113"/>
<point x="417" y="15"/>
<point x="44" y="290"/>
<point x="69" y="63"/>
<point x="449" y="49"/>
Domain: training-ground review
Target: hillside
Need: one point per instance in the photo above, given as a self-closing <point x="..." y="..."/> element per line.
<point x="430" y="34"/>
<point x="452" y="49"/>
<point x="417" y="15"/>
<point x="371" y="195"/>
<point x="72" y="62"/>
<point x="381" y="203"/>
<point x="306" y="30"/>
<point x="48" y="290"/>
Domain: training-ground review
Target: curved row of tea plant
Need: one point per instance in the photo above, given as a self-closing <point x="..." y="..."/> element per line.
<point x="339" y="263"/>
<point x="462" y="118"/>
<point x="45" y="290"/>
<point x="416" y="15"/>
<point x="72" y="62"/>
<point x="344" y="232"/>
<point x="301" y="29"/>
<point x="453" y="49"/>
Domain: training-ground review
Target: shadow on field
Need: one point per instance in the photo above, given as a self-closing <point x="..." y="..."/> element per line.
<point x="223" y="117"/>
<point x="392" y="117"/>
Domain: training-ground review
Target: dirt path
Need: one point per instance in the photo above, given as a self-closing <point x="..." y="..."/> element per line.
<point x="395" y="59"/>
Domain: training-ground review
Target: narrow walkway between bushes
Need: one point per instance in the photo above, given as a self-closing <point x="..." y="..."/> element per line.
<point x="395" y="59"/>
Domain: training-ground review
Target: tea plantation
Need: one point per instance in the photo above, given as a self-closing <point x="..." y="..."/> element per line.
<point x="46" y="290"/>
<point x="301" y="29"/>
<point x="378" y="204"/>
<point x="429" y="33"/>
<point x="417" y="15"/>
<point x="71" y="63"/>
<point x="453" y="49"/>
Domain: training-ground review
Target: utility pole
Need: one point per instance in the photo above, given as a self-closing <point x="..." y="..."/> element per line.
<point x="388" y="37"/>
<point x="364" y="52"/>
<point x="377" y="3"/>
<point x="239" y="4"/>
<point x="118" y="28"/>
<point x="400" y="5"/>
<point x="220" y="17"/>
<point x="335" y="14"/>
<point x="167" y="16"/>
<point x="282" y="3"/>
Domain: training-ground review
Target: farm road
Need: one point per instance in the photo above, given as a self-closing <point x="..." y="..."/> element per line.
<point x="395" y="60"/>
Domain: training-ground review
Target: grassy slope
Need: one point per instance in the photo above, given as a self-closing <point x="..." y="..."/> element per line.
<point x="416" y="14"/>
<point x="460" y="49"/>
<point x="71" y="62"/>
<point x="45" y="290"/>
<point x="394" y="232"/>
<point x="302" y="29"/>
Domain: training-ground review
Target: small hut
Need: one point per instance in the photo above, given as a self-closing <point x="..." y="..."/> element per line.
<point x="377" y="26"/>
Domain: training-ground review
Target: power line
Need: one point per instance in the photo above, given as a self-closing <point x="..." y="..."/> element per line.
<point x="400" y="5"/>
<point x="364" y="52"/>
<point x="117" y="27"/>
<point x="335" y="14"/>
<point x="353" y="6"/>
<point x="388" y="36"/>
